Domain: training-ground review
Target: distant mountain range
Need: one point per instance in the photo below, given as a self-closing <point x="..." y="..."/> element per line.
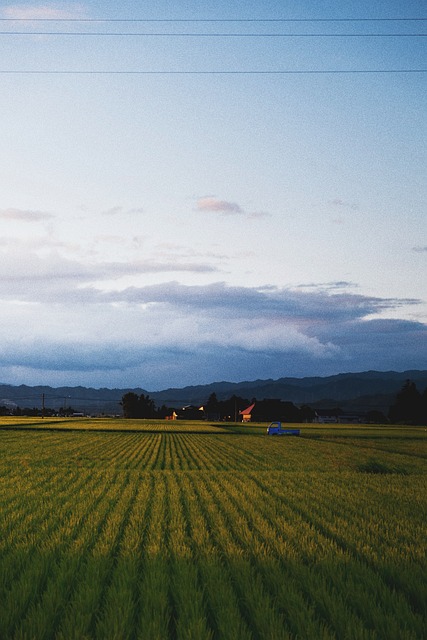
<point x="352" y="392"/>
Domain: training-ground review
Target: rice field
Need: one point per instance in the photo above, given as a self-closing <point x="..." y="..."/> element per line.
<point x="114" y="529"/>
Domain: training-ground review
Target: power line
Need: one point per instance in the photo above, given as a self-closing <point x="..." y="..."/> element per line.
<point x="212" y="20"/>
<point x="211" y="35"/>
<point x="213" y="72"/>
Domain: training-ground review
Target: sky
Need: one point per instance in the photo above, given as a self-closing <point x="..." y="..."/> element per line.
<point x="201" y="191"/>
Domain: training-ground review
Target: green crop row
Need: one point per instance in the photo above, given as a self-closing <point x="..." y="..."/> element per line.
<point x="201" y="535"/>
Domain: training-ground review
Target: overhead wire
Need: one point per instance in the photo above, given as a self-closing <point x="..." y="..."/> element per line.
<point x="213" y="20"/>
<point x="213" y="72"/>
<point x="211" y="35"/>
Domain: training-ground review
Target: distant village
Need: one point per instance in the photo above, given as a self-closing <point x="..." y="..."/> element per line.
<point x="237" y="409"/>
<point x="409" y="407"/>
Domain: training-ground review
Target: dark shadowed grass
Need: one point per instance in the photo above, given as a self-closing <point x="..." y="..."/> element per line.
<point x="376" y="466"/>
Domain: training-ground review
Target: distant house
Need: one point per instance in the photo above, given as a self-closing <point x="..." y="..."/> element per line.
<point x="335" y="416"/>
<point x="247" y="413"/>
<point x="326" y="416"/>
<point x="350" y="419"/>
<point x="190" y="412"/>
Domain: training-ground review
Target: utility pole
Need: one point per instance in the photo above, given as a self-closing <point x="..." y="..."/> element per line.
<point x="42" y="405"/>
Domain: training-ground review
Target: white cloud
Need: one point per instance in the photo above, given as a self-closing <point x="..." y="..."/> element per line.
<point x="118" y="210"/>
<point x="51" y="11"/>
<point x="24" y="214"/>
<point x="225" y="207"/>
<point x="258" y="214"/>
<point x="337" y="202"/>
<point x="211" y="203"/>
<point x="259" y="335"/>
<point x="113" y="211"/>
<point x="32" y="273"/>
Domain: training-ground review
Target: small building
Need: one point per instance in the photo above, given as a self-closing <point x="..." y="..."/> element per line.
<point x="326" y="416"/>
<point x="247" y="413"/>
<point x="190" y="412"/>
<point x="350" y="419"/>
<point x="336" y="416"/>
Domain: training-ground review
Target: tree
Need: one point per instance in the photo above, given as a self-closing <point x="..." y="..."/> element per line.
<point x="212" y="409"/>
<point x="212" y="403"/>
<point x="130" y="404"/>
<point x="407" y="407"/>
<point x="271" y="409"/>
<point x="376" y="417"/>
<point x="230" y="408"/>
<point x="164" y="411"/>
<point x="147" y="408"/>
<point x="423" y="407"/>
<point x="307" y="414"/>
<point x="138" y="407"/>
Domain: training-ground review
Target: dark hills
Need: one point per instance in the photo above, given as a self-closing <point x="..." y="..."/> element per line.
<point x="352" y="392"/>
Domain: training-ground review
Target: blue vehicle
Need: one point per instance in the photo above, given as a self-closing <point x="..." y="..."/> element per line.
<point x="276" y="429"/>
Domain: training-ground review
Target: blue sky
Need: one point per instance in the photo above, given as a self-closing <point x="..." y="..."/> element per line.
<point x="165" y="229"/>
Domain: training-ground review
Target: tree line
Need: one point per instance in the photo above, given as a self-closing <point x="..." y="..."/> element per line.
<point x="409" y="407"/>
<point x="142" y="406"/>
<point x="37" y="412"/>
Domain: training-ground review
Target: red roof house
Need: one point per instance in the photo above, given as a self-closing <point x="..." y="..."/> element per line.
<point x="246" y="413"/>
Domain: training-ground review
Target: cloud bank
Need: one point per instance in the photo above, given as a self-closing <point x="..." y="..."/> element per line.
<point x="60" y="325"/>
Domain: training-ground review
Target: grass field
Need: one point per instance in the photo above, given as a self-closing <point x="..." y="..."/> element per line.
<point x="136" y="530"/>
